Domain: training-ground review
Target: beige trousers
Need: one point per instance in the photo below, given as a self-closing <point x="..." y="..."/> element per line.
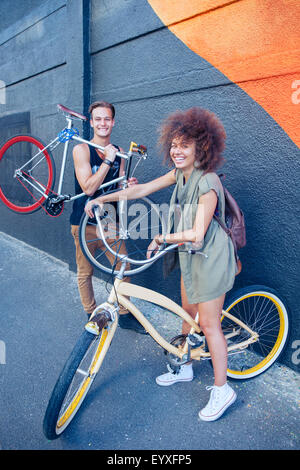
<point x="85" y="270"/>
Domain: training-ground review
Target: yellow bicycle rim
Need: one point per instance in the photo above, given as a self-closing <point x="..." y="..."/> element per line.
<point x="269" y="357"/>
<point x="84" y="386"/>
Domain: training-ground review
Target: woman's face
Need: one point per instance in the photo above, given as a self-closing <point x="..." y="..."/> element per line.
<point x="183" y="153"/>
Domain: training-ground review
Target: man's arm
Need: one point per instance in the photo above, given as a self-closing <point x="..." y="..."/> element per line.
<point x="88" y="181"/>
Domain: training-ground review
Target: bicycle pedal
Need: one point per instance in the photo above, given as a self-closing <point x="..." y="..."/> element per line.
<point x="195" y="340"/>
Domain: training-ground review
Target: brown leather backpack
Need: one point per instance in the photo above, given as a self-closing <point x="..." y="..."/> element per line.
<point x="234" y="222"/>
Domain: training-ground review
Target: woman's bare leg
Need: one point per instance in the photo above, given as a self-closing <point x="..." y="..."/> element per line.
<point x="191" y="309"/>
<point x="210" y="323"/>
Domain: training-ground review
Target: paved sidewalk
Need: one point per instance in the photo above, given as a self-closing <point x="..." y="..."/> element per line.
<point x="41" y="318"/>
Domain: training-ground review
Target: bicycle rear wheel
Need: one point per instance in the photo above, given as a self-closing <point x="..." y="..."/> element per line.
<point x="75" y="380"/>
<point x="27" y="173"/>
<point x="139" y="221"/>
<point x="263" y="311"/>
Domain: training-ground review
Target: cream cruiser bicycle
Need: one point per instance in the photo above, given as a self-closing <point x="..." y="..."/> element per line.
<point x="27" y="182"/>
<point x="254" y="321"/>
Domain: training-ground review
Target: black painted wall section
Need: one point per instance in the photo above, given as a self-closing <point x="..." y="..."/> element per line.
<point x="77" y="51"/>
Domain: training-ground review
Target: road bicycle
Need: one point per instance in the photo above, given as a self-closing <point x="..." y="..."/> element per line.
<point x="254" y="320"/>
<point x="27" y="181"/>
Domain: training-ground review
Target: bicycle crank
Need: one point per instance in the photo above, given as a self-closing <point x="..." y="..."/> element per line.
<point x="175" y="361"/>
<point x="54" y="204"/>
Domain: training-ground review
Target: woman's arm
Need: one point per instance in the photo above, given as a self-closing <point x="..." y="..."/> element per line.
<point x="133" y="192"/>
<point x="206" y="208"/>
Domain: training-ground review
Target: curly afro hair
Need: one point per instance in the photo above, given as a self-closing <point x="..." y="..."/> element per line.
<point x="201" y="126"/>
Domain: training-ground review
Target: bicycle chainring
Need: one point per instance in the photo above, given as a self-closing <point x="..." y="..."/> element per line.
<point x="175" y="361"/>
<point x="54" y="205"/>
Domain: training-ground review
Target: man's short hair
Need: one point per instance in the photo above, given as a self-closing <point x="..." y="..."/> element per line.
<point x="102" y="104"/>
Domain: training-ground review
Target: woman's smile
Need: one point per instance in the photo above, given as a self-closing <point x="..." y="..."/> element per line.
<point x="183" y="153"/>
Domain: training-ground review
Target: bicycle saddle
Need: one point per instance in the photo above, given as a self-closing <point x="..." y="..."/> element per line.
<point x="71" y="113"/>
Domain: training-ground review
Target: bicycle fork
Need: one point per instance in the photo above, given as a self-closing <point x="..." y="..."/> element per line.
<point x="103" y="325"/>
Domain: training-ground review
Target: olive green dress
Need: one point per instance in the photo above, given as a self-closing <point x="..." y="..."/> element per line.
<point x="205" y="278"/>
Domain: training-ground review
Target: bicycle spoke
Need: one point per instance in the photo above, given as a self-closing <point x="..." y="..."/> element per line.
<point x="103" y="252"/>
<point x="260" y="312"/>
<point x="133" y="229"/>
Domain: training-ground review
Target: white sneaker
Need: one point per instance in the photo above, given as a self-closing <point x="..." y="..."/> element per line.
<point x="220" y="399"/>
<point x="184" y="374"/>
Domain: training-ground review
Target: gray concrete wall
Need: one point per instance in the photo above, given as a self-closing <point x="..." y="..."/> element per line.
<point x="42" y="64"/>
<point x="76" y="51"/>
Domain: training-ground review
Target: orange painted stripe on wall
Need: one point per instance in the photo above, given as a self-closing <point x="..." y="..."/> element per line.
<point x="255" y="43"/>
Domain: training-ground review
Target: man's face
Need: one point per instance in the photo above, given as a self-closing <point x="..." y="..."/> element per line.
<point x="102" y="122"/>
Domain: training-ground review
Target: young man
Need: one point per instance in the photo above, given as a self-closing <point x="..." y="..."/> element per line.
<point x="93" y="168"/>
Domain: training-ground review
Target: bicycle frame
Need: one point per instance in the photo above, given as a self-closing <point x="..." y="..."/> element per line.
<point x="67" y="131"/>
<point x="81" y="140"/>
<point x="121" y="291"/>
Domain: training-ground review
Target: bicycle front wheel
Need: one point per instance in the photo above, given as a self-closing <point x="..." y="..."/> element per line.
<point x="75" y="381"/>
<point x="27" y="173"/>
<point x="264" y="312"/>
<point x="129" y="233"/>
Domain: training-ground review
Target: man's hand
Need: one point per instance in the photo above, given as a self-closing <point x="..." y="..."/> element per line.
<point x="91" y="204"/>
<point x="132" y="181"/>
<point x="110" y="152"/>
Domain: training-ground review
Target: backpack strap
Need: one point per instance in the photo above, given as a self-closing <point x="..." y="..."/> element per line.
<point x="224" y="227"/>
<point x="228" y="232"/>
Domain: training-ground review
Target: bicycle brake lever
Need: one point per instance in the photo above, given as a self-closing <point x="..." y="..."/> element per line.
<point x="138" y="148"/>
<point x="197" y="252"/>
<point x="193" y="249"/>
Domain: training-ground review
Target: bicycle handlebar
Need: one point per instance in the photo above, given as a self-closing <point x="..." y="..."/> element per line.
<point x="126" y="258"/>
<point x="141" y="149"/>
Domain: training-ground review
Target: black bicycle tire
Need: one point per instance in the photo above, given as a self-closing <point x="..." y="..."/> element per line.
<point x="62" y="385"/>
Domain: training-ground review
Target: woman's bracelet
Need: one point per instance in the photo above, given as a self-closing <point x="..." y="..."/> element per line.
<point x="158" y="239"/>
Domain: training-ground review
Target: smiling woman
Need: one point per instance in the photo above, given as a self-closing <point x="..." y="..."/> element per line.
<point x="182" y="153"/>
<point x="199" y="127"/>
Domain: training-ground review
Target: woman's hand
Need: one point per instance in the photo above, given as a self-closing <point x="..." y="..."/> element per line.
<point x="154" y="246"/>
<point x="90" y="204"/>
<point x="152" y="249"/>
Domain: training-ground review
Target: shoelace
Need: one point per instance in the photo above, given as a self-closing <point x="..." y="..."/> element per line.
<point x="174" y="372"/>
<point x="214" y="397"/>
